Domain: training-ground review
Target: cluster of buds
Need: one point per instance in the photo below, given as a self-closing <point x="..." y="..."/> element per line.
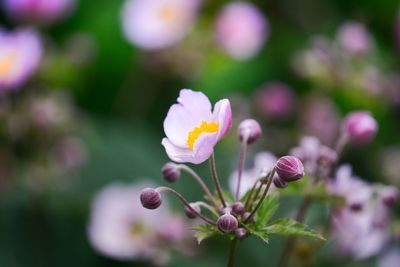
<point x="229" y="217"/>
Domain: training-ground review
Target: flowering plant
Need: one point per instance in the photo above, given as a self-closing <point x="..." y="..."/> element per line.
<point x="192" y="131"/>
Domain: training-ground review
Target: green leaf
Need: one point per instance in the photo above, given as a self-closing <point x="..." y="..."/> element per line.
<point x="204" y="231"/>
<point x="262" y="234"/>
<point x="267" y="210"/>
<point x="288" y="226"/>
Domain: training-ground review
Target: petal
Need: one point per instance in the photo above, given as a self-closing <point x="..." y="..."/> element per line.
<point x="176" y="153"/>
<point x="192" y="108"/>
<point x="204" y="147"/>
<point x="223" y="115"/>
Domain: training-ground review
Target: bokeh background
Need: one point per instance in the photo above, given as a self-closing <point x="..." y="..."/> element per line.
<point x="113" y="97"/>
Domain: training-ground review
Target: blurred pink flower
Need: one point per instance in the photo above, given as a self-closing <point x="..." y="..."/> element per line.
<point x="20" y="55"/>
<point x="158" y="24"/>
<point x="320" y="118"/>
<point x="263" y="163"/>
<point x="121" y="228"/>
<point x="38" y="11"/>
<point x="276" y="100"/>
<point x="361" y="227"/>
<point x="355" y="38"/>
<point x="192" y="129"/>
<point x="241" y="29"/>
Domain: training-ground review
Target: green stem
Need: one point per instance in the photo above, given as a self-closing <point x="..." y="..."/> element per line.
<point x="232" y="249"/>
<point x="216" y="180"/>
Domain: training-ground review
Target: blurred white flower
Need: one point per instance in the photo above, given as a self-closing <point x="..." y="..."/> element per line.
<point x="390" y="258"/>
<point x="158" y="24"/>
<point x="263" y="162"/>
<point x="121" y="228"/>
<point x="241" y="29"/>
<point x="361" y="226"/>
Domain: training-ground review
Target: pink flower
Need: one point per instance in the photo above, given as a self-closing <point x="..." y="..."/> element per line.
<point x="355" y="38"/>
<point x="20" y="54"/>
<point x="38" y="11"/>
<point x="241" y="30"/>
<point x="192" y="129"/>
<point x="158" y="24"/>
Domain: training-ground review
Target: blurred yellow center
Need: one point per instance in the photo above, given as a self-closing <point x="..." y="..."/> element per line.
<point x="136" y="229"/>
<point x="7" y="63"/>
<point x="205" y="127"/>
<point x="167" y="13"/>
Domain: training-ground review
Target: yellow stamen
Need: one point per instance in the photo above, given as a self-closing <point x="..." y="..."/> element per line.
<point x="205" y="127"/>
<point x="7" y="63"/>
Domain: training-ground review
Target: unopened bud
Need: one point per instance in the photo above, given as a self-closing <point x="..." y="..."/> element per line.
<point x="250" y="130"/>
<point x="240" y="232"/>
<point x="289" y="168"/>
<point x="171" y="172"/>
<point x="227" y="223"/>
<point x="279" y="183"/>
<point x="360" y="127"/>
<point x="246" y="215"/>
<point x="189" y="213"/>
<point x="150" y="198"/>
<point x="238" y="208"/>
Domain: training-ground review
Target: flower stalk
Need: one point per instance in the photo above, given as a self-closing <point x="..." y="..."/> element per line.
<point x="214" y="176"/>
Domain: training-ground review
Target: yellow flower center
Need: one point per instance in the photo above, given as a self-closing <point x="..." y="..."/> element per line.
<point x="205" y="127"/>
<point x="7" y="63"/>
<point x="167" y="13"/>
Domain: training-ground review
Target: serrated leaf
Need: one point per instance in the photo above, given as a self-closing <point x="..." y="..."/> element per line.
<point x="291" y="227"/>
<point x="267" y="210"/>
<point x="204" y="231"/>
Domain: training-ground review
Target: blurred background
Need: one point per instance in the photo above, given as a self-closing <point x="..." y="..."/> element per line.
<point x="85" y="87"/>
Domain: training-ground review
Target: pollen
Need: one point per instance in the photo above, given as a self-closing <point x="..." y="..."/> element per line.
<point x="205" y="127"/>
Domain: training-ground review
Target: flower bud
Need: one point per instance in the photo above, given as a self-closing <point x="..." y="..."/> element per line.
<point x="227" y="223"/>
<point x="189" y="213"/>
<point x="238" y="208"/>
<point x="279" y="183"/>
<point x="249" y="129"/>
<point x="389" y="195"/>
<point x="240" y="232"/>
<point x="289" y="168"/>
<point x="171" y="172"/>
<point x="150" y="198"/>
<point x="360" y="127"/>
<point x="246" y="215"/>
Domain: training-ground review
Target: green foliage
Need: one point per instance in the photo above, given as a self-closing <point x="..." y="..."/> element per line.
<point x="204" y="231"/>
<point x="267" y="210"/>
<point x="288" y="226"/>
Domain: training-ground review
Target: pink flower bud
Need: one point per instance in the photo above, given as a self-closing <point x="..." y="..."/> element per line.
<point x="279" y="183"/>
<point x="289" y="168"/>
<point x="189" y="213"/>
<point x="150" y="198"/>
<point x="170" y="172"/>
<point x="227" y="223"/>
<point x="240" y="232"/>
<point x="360" y="127"/>
<point x="249" y="129"/>
<point x="238" y="208"/>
